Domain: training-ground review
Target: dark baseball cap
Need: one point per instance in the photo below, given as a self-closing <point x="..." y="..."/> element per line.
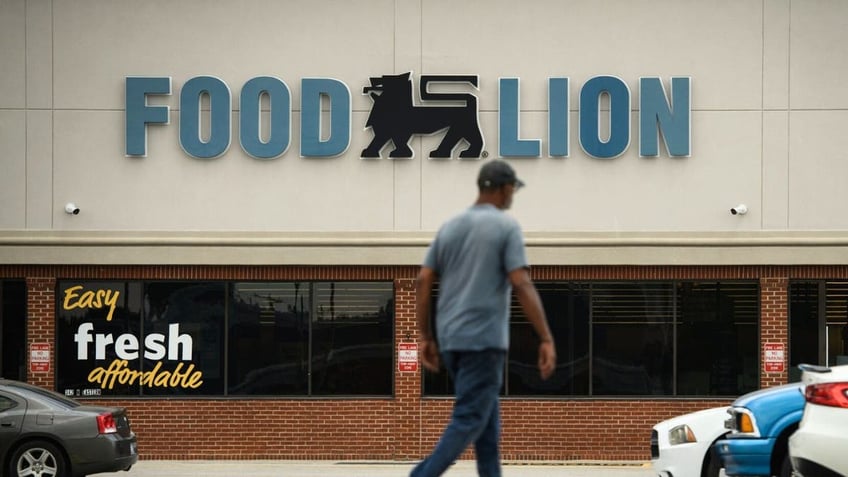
<point x="497" y="173"/>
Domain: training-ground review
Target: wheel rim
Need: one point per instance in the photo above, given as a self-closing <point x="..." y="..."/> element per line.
<point x="37" y="462"/>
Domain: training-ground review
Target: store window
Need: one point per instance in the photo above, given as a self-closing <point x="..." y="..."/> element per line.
<point x="352" y="338"/>
<point x="98" y="348"/>
<point x="636" y="339"/>
<point x="181" y="338"/>
<point x="567" y="307"/>
<point x="269" y="338"/>
<point x="717" y="336"/>
<point x="320" y="339"/>
<point x="632" y="338"/>
<point x="818" y="324"/>
<point x="187" y="319"/>
<point x="13" y="319"/>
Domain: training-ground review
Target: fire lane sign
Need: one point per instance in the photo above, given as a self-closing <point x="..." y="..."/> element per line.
<point x="39" y="358"/>
<point x="774" y="357"/>
<point x="408" y="357"/>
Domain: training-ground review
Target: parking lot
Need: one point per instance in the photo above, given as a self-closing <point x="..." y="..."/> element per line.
<point x="268" y="468"/>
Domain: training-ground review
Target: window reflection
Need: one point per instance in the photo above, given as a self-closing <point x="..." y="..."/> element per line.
<point x="268" y="338"/>
<point x="352" y="336"/>
<point x="189" y="316"/>
<point x="636" y="339"/>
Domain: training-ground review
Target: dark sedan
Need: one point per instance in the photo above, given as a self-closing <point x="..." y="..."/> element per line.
<point x="45" y="434"/>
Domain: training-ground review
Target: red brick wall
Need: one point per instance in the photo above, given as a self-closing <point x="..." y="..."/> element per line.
<point x="406" y="426"/>
<point x="41" y="324"/>
<point x="774" y="326"/>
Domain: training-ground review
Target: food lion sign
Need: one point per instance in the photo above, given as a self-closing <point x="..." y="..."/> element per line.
<point x="395" y="117"/>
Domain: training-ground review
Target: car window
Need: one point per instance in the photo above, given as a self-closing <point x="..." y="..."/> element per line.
<point x="43" y="395"/>
<point x="6" y="403"/>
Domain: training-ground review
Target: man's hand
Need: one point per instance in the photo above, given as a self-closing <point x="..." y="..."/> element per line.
<point x="547" y="359"/>
<point x="430" y="355"/>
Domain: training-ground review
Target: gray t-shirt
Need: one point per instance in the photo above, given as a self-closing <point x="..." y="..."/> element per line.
<point x="472" y="255"/>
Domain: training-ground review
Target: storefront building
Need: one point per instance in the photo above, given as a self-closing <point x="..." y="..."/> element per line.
<point x="214" y="212"/>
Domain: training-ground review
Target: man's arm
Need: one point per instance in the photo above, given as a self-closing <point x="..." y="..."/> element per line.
<point x="530" y="302"/>
<point x="423" y="296"/>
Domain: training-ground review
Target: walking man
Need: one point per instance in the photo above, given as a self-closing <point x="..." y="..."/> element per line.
<point x="478" y="258"/>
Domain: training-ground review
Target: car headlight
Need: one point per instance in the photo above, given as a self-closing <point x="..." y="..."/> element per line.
<point x="746" y="423"/>
<point x="681" y="435"/>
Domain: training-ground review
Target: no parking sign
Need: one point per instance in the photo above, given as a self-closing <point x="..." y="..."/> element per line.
<point x="39" y="358"/>
<point x="774" y="357"/>
<point x="408" y="357"/>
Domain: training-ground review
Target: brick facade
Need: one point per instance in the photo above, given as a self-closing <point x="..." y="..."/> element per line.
<point x="407" y="425"/>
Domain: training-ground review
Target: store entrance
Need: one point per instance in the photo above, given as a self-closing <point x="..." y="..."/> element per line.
<point x="13" y="344"/>
<point x="818" y="324"/>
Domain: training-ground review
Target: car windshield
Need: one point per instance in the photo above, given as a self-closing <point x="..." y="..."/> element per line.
<point x="39" y="394"/>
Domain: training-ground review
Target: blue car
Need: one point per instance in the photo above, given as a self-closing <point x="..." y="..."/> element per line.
<point x="760" y="425"/>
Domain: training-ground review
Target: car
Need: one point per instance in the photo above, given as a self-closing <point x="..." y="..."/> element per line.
<point x="818" y="447"/>
<point x="760" y="424"/>
<point x="682" y="446"/>
<point x="45" y="434"/>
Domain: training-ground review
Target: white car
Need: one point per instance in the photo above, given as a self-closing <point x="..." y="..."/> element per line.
<point x="819" y="448"/>
<point x="682" y="446"/>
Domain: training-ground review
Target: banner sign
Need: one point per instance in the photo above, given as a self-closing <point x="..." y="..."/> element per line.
<point x="116" y="338"/>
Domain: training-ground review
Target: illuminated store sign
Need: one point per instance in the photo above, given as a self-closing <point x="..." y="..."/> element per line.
<point x="395" y="118"/>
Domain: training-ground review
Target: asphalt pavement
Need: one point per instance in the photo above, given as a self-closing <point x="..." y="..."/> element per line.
<point x="295" y="468"/>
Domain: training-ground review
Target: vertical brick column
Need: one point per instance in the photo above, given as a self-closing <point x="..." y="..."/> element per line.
<point x="407" y="407"/>
<point x="41" y="326"/>
<point x="774" y="326"/>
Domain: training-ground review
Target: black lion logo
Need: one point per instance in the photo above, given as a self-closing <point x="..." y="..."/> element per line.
<point x="394" y="118"/>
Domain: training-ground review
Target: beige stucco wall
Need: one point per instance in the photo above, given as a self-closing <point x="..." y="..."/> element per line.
<point x="768" y="110"/>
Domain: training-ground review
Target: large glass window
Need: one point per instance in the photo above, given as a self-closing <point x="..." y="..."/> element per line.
<point x="567" y="308"/>
<point x="352" y="336"/>
<point x="13" y="320"/>
<point x="717" y="336"/>
<point x="632" y="338"/>
<point x="184" y="338"/>
<point x="187" y="320"/>
<point x="818" y="324"/>
<point x="98" y="338"/>
<point x="269" y="338"/>
<point x="636" y="339"/>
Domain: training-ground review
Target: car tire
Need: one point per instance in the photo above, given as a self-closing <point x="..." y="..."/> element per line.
<point x="712" y="466"/>
<point x="38" y="458"/>
<point x="786" y="467"/>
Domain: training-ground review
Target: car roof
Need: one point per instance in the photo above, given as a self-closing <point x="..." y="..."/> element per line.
<point x="31" y="392"/>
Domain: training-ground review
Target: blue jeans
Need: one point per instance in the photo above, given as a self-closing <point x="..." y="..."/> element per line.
<point x="477" y="377"/>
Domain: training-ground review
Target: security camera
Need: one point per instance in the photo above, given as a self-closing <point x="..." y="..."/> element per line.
<point x="740" y="209"/>
<point x="72" y="208"/>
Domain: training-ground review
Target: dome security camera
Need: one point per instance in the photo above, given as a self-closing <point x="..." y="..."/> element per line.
<point x="740" y="209"/>
<point x="72" y="208"/>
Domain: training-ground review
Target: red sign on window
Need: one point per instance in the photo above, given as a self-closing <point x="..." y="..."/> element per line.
<point x="774" y="357"/>
<point x="39" y="358"/>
